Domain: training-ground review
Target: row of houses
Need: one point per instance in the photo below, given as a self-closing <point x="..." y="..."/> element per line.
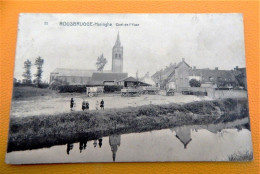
<point x="178" y="76"/>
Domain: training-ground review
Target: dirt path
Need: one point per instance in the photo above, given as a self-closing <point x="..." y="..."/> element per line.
<point x="61" y="104"/>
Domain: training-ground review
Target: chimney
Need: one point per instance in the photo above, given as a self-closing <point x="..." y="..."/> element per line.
<point x="216" y="68"/>
<point x="236" y="68"/>
<point x="194" y="67"/>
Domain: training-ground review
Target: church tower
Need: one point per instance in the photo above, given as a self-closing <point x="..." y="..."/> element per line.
<point x="117" y="56"/>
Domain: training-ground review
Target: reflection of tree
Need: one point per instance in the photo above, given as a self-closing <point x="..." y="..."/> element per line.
<point x="114" y="142"/>
<point x="69" y="148"/>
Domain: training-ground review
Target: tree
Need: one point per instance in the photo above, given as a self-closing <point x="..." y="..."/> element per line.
<point x="101" y="62"/>
<point x="195" y="83"/>
<point x="27" y="73"/>
<point x="38" y="63"/>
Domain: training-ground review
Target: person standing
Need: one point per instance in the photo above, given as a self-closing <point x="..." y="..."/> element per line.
<point x="87" y="105"/>
<point x="71" y="104"/>
<point x="102" y="104"/>
<point x="97" y="103"/>
<point x="83" y="105"/>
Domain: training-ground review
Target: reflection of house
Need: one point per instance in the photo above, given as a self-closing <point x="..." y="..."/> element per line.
<point x="184" y="135"/>
<point x="114" y="142"/>
<point x="178" y="77"/>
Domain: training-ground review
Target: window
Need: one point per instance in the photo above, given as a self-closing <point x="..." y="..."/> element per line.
<point x="116" y="55"/>
<point x="119" y="55"/>
<point x="211" y="79"/>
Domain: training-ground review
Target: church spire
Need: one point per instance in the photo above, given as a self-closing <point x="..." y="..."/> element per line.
<point x="118" y="43"/>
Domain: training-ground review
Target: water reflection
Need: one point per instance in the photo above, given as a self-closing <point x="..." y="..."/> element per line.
<point x="114" y="142"/>
<point x="69" y="148"/>
<point x="82" y="145"/>
<point x="186" y="143"/>
<point x="184" y="135"/>
<point x="95" y="143"/>
<point x="100" y="142"/>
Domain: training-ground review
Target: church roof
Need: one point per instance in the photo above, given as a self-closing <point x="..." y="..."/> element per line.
<point x="74" y="72"/>
<point x="98" y="76"/>
<point x="118" y="43"/>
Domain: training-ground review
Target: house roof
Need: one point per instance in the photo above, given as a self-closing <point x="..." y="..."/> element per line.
<point x="164" y="73"/>
<point x="128" y="79"/>
<point x="102" y="77"/>
<point x="206" y="74"/>
<point x="94" y="83"/>
<point x="183" y="61"/>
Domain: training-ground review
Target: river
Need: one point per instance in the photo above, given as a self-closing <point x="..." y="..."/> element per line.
<point x="213" y="142"/>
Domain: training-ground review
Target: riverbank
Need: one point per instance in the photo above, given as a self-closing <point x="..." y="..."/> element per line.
<point x="48" y="130"/>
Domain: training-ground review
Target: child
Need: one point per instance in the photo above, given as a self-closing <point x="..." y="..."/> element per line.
<point x="83" y="105"/>
<point x="102" y="104"/>
<point x="97" y="103"/>
<point x="87" y="105"/>
<point x="71" y="104"/>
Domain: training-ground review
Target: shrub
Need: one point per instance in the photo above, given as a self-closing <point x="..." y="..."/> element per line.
<point x="113" y="88"/>
<point x="195" y="83"/>
<point x="72" y="88"/>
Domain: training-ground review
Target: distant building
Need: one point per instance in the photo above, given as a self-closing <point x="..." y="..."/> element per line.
<point x="178" y="77"/>
<point x="148" y="79"/>
<point x="83" y="77"/>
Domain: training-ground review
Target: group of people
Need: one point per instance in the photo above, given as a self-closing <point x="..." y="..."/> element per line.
<point x="85" y="105"/>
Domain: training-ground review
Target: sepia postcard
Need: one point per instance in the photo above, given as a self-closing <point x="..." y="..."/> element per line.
<point x="129" y="88"/>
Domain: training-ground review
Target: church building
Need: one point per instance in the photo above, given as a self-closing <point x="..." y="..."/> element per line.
<point x="117" y="56"/>
<point x="84" y="76"/>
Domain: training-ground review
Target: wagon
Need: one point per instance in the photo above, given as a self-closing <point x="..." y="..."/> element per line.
<point x="130" y="92"/>
<point x="170" y="92"/>
<point x="94" y="91"/>
<point x="150" y="90"/>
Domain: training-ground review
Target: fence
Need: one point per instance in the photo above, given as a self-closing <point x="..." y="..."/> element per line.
<point x="217" y="94"/>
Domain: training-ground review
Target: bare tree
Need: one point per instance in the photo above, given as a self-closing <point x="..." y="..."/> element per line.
<point x="27" y="73"/>
<point x="38" y="63"/>
<point x="101" y="62"/>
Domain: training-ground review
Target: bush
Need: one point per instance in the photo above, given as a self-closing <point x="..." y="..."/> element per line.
<point x="195" y="83"/>
<point x="72" y="88"/>
<point x="114" y="88"/>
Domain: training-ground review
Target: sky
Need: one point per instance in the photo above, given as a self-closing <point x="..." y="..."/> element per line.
<point x="152" y="43"/>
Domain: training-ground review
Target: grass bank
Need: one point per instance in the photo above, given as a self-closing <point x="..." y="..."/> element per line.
<point x="241" y="156"/>
<point x="48" y="130"/>
<point x="29" y="91"/>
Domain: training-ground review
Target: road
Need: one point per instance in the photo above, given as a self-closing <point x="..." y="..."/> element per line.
<point x="46" y="105"/>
